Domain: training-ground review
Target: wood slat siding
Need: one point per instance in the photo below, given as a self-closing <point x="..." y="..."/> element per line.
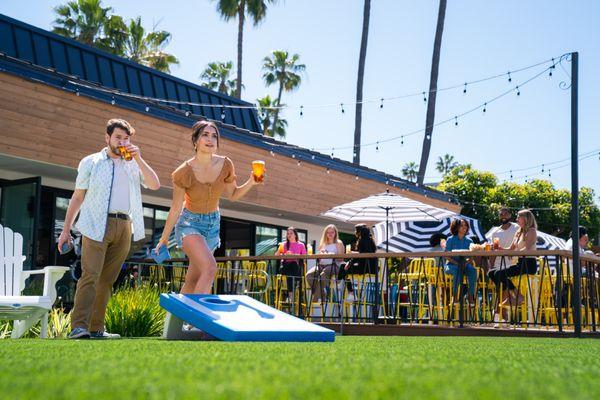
<point x="46" y="124"/>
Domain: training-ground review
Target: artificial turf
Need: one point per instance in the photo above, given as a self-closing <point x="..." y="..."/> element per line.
<point x="352" y="367"/>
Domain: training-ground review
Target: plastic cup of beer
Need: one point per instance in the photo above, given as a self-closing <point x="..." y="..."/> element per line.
<point x="348" y="248"/>
<point x="280" y="249"/>
<point x="258" y="169"/>
<point x="126" y="155"/>
<point x="488" y="246"/>
<point x="496" y="243"/>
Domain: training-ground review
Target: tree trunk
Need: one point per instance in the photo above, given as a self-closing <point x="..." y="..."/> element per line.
<point x="429" y="120"/>
<point x="241" y="14"/>
<point x="276" y="117"/>
<point x="359" y="82"/>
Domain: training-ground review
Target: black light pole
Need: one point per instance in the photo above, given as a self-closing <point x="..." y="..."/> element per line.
<point x="575" y="196"/>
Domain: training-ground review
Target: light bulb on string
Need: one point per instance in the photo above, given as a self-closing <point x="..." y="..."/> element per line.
<point x="549" y="174"/>
<point x="424" y="98"/>
<point x="342" y="106"/>
<point x="377" y="147"/>
<point x="356" y="177"/>
<point x="299" y="163"/>
<point x="272" y="153"/>
<point x="301" y="110"/>
<point x="401" y="140"/>
<point x="381" y="105"/>
<point x="511" y="175"/>
<point x="509" y="77"/>
<point x="465" y="88"/>
<point x="328" y="171"/>
<point x="518" y="91"/>
<point x="222" y="114"/>
<point x="112" y="101"/>
<point x="542" y="168"/>
<point x="552" y="67"/>
<point x="455" y="120"/>
<point x="77" y="92"/>
<point x="332" y="151"/>
<point x="187" y="113"/>
<point x="484" y="107"/>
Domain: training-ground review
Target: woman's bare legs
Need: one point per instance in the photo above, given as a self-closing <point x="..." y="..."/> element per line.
<point x="203" y="267"/>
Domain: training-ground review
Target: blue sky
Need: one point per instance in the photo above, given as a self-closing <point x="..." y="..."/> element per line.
<point x="480" y="39"/>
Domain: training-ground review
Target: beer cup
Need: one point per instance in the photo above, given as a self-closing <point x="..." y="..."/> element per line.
<point x="258" y="169"/>
<point x="126" y="155"/>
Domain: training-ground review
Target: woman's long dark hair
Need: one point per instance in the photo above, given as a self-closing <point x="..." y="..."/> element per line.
<point x="364" y="239"/>
<point x="287" y="242"/>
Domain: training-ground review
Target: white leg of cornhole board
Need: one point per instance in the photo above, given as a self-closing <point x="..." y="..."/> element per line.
<point x="173" y="330"/>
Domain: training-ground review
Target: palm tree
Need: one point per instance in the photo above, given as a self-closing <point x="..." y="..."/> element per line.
<point x="410" y="171"/>
<point x="266" y="113"/>
<point x="435" y="64"/>
<point x="285" y="70"/>
<point x="359" y="81"/>
<point x="217" y="76"/>
<point x="81" y="20"/>
<point x="147" y="48"/>
<point x="255" y="9"/>
<point x="445" y="164"/>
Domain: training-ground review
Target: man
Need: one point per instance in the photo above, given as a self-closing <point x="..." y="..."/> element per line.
<point x="107" y="191"/>
<point x="584" y="241"/>
<point x="505" y="234"/>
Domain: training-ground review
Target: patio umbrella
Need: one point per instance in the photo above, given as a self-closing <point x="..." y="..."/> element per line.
<point x="414" y="235"/>
<point x="387" y="207"/>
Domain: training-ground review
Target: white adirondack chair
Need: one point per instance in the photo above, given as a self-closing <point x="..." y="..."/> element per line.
<point x="24" y="310"/>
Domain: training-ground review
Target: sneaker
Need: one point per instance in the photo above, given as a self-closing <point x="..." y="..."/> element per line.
<point x="104" y="335"/>
<point x="79" y="333"/>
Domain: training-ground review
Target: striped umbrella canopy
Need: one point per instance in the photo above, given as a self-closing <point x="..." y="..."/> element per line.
<point x="414" y="236"/>
<point x="388" y="207"/>
<point x="545" y="241"/>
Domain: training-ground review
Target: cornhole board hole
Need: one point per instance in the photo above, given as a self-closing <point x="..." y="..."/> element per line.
<point x="235" y="318"/>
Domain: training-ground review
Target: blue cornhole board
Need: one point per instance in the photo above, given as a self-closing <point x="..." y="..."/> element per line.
<point x="237" y="318"/>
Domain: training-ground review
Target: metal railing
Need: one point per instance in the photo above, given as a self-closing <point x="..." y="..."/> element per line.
<point x="412" y="288"/>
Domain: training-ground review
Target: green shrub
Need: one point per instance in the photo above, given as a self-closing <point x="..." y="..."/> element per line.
<point x="59" y="326"/>
<point x="135" y="312"/>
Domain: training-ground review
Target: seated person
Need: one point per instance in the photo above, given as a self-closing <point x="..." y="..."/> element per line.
<point x="318" y="276"/>
<point x="459" y="241"/>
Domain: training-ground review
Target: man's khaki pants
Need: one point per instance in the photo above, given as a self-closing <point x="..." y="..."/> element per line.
<point x="100" y="265"/>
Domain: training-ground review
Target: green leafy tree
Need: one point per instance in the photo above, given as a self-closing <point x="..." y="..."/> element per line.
<point x="285" y="70"/>
<point x="551" y="206"/>
<point x="217" y="76"/>
<point x="240" y="9"/>
<point x="266" y="114"/>
<point x="410" y="171"/>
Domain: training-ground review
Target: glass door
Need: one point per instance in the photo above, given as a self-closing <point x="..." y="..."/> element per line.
<point x="20" y="210"/>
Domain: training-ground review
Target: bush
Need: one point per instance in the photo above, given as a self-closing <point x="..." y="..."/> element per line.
<point x="59" y="326"/>
<point x="135" y="312"/>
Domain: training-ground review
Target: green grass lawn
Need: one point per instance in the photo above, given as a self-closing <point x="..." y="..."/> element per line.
<point x="352" y="367"/>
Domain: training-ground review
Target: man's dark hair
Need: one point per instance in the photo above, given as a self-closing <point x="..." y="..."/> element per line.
<point x="436" y="239"/>
<point x="114" y="123"/>
<point x="505" y="210"/>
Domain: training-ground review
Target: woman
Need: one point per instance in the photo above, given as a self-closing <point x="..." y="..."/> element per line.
<point x="318" y="277"/>
<point x="361" y="266"/>
<point x="524" y="240"/>
<point x="292" y="269"/>
<point x="199" y="183"/>
<point x="459" y="241"/>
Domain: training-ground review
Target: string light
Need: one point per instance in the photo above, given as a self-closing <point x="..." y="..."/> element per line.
<point x="77" y="92"/>
<point x="148" y="109"/>
<point x="484" y="106"/>
<point x="113" y="101"/>
<point x="222" y="114"/>
<point x="377" y="147"/>
<point x="455" y="120"/>
<point x="342" y="105"/>
<point x="402" y="141"/>
<point x="187" y="113"/>
<point x="518" y="91"/>
<point x="301" y="111"/>
<point x="424" y="98"/>
<point x="465" y="89"/>
<point x="381" y="105"/>
<point x="509" y="77"/>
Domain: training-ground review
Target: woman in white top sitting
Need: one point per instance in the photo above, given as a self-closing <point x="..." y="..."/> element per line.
<point x="318" y="276"/>
<point x="525" y="240"/>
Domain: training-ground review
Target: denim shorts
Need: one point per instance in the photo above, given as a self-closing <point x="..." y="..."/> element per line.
<point x="206" y="225"/>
